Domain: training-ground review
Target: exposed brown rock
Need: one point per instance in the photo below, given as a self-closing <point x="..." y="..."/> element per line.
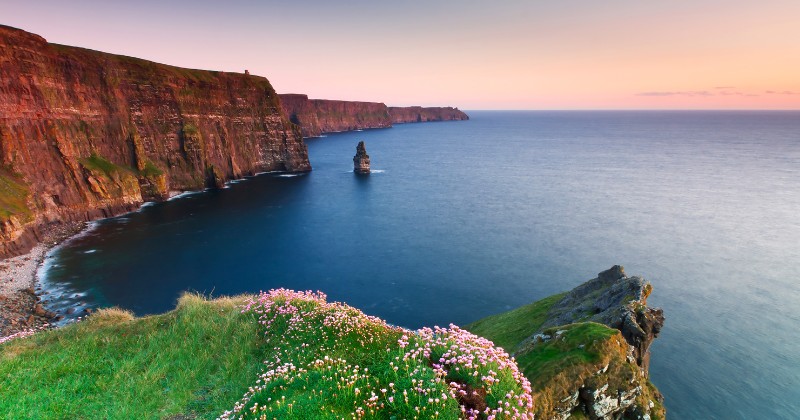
<point x="419" y="114"/>
<point x="317" y="116"/>
<point x="86" y="135"/>
<point x="615" y="300"/>
<point x="361" y="160"/>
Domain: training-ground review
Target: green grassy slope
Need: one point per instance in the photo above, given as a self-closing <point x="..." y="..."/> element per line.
<point x="508" y="329"/>
<point x="570" y="357"/>
<point x="197" y="359"/>
<point x="280" y="355"/>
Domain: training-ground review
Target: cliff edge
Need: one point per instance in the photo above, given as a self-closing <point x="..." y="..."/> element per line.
<point x="585" y="352"/>
<point x="86" y="135"/>
<point x="317" y="116"/>
<point x="420" y="114"/>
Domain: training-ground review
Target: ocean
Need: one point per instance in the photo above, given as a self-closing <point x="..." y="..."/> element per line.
<point x="461" y="220"/>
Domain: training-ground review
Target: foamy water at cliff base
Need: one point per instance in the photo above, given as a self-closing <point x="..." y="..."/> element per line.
<point x="476" y="217"/>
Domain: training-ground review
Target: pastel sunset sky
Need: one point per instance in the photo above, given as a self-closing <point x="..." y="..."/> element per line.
<point x="501" y="54"/>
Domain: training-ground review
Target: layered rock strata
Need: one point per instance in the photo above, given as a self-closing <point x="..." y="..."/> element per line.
<point x="361" y="160"/>
<point x="317" y="116"/>
<point x="86" y="135"/>
<point x="410" y="114"/>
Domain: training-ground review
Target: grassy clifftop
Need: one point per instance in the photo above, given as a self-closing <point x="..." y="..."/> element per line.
<point x="290" y="355"/>
<point x="277" y="355"/>
<point x="579" y="351"/>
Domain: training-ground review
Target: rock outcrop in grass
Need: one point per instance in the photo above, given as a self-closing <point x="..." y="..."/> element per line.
<point x="585" y="352"/>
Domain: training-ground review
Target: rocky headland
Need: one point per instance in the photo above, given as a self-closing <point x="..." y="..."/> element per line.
<point x="586" y="352"/>
<point x="410" y="114"/>
<point x="318" y="116"/>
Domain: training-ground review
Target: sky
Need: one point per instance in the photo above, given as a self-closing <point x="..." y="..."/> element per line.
<point x="500" y="54"/>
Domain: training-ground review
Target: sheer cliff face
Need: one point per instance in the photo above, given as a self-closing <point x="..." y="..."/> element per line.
<point x="85" y="135"/>
<point x="317" y="116"/>
<point x="420" y="114"/>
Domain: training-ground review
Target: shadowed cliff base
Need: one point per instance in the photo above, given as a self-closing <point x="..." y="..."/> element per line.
<point x="87" y="135"/>
<point x="317" y="116"/>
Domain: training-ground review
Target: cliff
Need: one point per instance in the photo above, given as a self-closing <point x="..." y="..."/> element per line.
<point x="317" y="116"/>
<point x="420" y="114"/>
<point x="86" y="135"/>
<point x="585" y="352"/>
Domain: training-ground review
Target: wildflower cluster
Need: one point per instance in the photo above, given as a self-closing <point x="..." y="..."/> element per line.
<point x="331" y="361"/>
<point x="22" y="334"/>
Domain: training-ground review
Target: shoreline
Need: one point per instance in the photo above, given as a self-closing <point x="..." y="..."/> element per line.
<point x="22" y="304"/>
<point x="21" y="308"/>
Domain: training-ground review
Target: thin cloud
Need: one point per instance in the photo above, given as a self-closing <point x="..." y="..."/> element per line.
<point x="690" y="93"/>
<point x="725" y="87"/>
<point x="658" y="93"/>
<point x="770" y="91"/>
<point x="786" y="92"/>
<point x="751" y="94"/>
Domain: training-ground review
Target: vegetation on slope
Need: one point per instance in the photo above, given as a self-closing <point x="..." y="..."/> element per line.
<point x="316" y="360"/>
<point x="508" y="329"/>
<point x="566" y="358"/>
<point x="195" y="360"/>
<point x="13" y="197"/>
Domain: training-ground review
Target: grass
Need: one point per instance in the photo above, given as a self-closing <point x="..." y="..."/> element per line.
<point x="190" y="129"/>
<point x="150" y="170"/>
<point x="580" y="344"/>
<point x="573" y="358"/>
<point x="195" y="360"/>
<point x="282" y="354"/>
<point x="508" y="329"/>
<point x="570" y="359"/>
<point x="13" y="197"/>
<point x="98" y="162"/>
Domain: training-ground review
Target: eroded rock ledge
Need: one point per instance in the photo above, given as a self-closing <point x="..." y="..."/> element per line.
<point x="586" y="352"/>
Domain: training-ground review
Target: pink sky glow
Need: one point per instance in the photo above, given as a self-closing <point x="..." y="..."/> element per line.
<point x="507" y="54"/>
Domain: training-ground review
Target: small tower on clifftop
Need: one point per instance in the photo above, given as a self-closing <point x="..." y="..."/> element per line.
<point x="247" y="72"/>
<point x="361" y="160"/>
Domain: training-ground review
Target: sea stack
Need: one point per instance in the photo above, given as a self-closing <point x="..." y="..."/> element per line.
<point x="361" y="160"/>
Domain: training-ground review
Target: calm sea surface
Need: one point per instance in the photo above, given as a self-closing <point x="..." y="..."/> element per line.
<point x="462" y="220"/>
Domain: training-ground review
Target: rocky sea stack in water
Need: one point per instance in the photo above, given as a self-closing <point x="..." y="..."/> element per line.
<point x="361" y="160"/>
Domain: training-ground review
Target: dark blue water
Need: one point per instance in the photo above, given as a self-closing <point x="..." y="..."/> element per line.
<point x="467" y="219"/>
